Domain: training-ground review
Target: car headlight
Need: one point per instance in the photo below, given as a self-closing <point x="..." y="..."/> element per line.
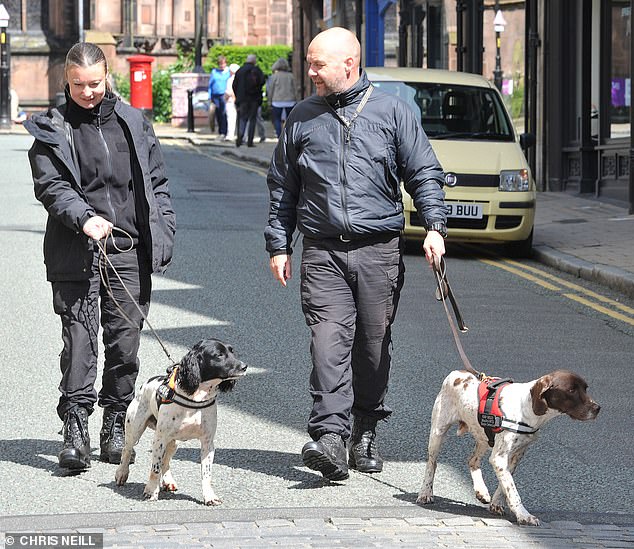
<point x="514" y="180"/>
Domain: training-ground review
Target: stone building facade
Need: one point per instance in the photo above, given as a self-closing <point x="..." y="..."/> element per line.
<point x="41" y="31"/>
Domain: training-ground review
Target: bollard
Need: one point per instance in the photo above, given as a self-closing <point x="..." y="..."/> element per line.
<point x="190" y="111"/>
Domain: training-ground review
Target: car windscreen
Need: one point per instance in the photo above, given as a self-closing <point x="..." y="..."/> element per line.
<point x="448" y="111"/>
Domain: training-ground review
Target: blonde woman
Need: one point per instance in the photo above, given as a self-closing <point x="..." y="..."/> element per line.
<point x="97" y="165"/>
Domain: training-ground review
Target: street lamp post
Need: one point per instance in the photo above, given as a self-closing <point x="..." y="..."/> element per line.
<point x="199" y="13"/>
<point x="5" y="94"/>
<point x="498" y="24"/>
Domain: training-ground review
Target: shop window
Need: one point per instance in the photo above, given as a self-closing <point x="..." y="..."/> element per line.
<point x="620" y="77"/>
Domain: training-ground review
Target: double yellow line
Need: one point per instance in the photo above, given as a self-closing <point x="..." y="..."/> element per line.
<point x="586" y="297"/>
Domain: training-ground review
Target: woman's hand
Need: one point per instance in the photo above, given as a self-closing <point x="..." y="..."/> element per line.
<point x="97" y="227"/>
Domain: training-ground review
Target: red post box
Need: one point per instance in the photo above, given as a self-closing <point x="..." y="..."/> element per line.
<point x="141" y="82"/>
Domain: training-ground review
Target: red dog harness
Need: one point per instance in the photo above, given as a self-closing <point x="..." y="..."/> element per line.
<point x="490" y="416"/>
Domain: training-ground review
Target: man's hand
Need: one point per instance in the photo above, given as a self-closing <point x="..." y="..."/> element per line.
<point x="97" y="227"/>
<point x="434" y="245"/>
<point x="281" y="268"/>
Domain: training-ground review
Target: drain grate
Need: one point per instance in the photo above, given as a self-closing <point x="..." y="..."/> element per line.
<point x="570" y="221"/>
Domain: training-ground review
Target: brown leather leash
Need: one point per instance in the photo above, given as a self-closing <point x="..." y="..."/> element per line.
<point x="103" y="272"/>
<point x="444" y="292"/>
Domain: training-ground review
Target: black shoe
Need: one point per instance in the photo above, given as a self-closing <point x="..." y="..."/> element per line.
<point x="238" y="142"/>
<point x="250" y="145"/>
<point x="327" y="455"/>
<point x="76" y="451"/>
<point x="262" y="139"/>
<point x="112" y="436"/>
<point x="363" y="454"/>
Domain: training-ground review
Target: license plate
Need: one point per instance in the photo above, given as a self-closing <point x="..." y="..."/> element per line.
<point x="464" y="211"/>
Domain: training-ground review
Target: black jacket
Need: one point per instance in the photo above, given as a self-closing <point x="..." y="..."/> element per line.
<point x="330" y="181"/>
<point x="247" y="84"/>
<point x="68" y="252"/>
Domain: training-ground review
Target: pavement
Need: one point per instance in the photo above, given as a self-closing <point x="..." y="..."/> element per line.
<point x="588" y="238"/>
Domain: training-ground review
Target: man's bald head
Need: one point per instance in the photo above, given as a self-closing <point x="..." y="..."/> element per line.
<point x="334" y="56"/>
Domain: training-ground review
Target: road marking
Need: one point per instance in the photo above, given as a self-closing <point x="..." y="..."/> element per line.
<point x="517" y="272"/>
<point x="600" y="308"/>
<point x="537" y="275"/>
<point x="575" y="287"/>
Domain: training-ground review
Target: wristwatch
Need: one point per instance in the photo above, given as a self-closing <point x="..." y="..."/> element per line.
<point x="438" y="226"/>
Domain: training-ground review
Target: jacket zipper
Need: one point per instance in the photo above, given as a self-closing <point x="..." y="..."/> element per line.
<point x="347" y="135"/>
<point x="344" y="180"/>
<point x="108" y="178"/>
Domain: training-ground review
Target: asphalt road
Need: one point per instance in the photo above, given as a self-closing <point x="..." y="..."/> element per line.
<point x="219" y="285"/>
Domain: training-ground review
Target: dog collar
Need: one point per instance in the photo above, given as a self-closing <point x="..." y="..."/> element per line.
<point x="490" y="416"/>
<point x="166" y="394"/>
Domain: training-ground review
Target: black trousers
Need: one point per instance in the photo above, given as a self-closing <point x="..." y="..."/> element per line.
<point x="349" y="294"/>
<point x="247" y="114"/>
<point x="81" y="306"/>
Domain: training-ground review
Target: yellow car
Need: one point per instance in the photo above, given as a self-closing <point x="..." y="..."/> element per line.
<point x="489" y="188"/>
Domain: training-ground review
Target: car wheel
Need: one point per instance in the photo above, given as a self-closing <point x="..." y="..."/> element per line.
<point x="520" y="248"/>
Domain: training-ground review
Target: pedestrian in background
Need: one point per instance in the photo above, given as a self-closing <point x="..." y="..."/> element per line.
<point x="230" y="103"/>
<point x="280" y="92"/>
<point x="96" y="165"/>
<point x="247" y="86"/>
<point x="335" y="175"/>
<point x="217" y="88"/>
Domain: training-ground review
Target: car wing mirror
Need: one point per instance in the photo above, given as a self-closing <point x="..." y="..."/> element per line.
<point x="527" y="140"/>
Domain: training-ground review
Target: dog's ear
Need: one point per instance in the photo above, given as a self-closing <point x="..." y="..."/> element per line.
<point x="538" y="392"/>
<point x="189" y="371"/>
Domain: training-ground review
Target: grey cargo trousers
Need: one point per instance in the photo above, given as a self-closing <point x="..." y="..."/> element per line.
<point x="349" y="295"/>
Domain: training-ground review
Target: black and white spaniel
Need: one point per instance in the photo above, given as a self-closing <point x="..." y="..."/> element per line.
<point x="181" y="406"/>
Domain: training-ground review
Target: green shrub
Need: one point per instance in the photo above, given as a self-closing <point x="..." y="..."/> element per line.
<point x="122" y="85"/>
<point x="267" y="55"/>
<point x="517" y="102"/>
<point x="162" y="95"/>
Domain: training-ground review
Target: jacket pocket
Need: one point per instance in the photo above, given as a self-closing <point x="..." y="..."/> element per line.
<point x="68" y="254"/>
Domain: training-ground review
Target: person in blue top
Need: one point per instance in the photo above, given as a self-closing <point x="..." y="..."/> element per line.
<point x="217" y="88"/>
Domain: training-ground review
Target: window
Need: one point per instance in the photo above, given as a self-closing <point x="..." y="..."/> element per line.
<point x="452" y="111"/>
<point x="620" y="78"/>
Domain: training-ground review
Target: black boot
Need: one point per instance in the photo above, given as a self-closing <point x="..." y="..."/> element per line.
<point x="327" y="455"/>
<point x="112" y="436"/>
<point x="363" y="454"/>
<point x="76" y="451"/>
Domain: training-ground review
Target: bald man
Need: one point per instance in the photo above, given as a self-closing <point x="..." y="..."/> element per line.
<point x="335" y="176"/>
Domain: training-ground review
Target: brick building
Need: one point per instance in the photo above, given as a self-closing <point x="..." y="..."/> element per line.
<point x="42" y="31"/>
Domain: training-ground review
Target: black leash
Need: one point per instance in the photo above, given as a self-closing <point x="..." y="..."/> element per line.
<point x="103" y="272"/>
<point x="443" y="291"/>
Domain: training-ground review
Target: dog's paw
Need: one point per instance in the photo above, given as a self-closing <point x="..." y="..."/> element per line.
<point x="425" y="498"/>
<point x="496" y="509"/>
<point x="121" y="475"/>
<point x="169" y="486"/>
<point x="151" y="494"/>
<point x="483" y="497"/>
<point x="527" y="520"/>
<point x="168" y="483"/>
<point x="210" y="497"/>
